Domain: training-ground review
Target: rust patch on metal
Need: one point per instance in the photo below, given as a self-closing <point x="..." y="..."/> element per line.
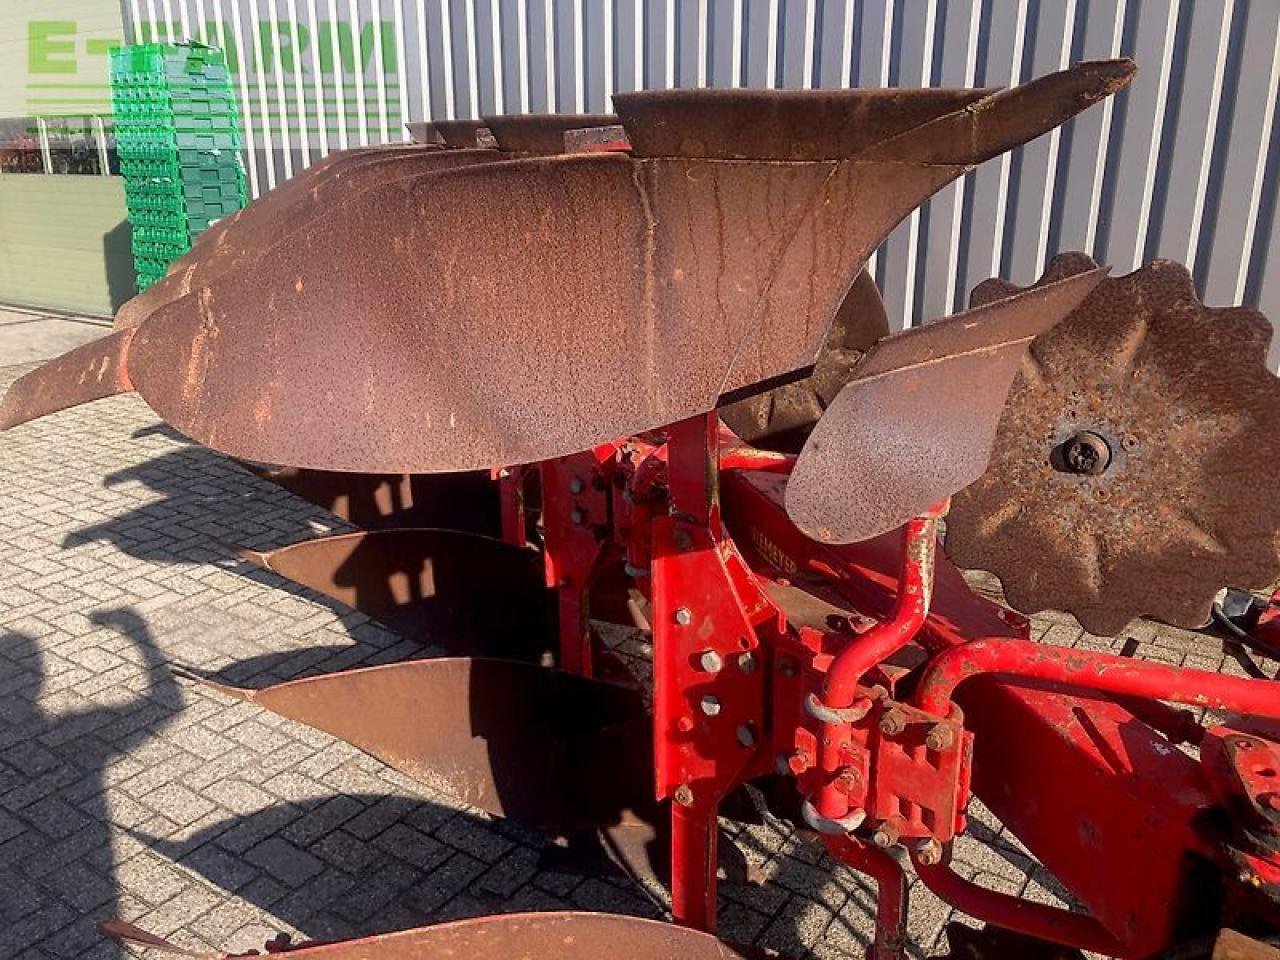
<point x="1232" y="945"/>
<point x="918" y="421"/>
<point x="781" y="419"/>
<point x="1185" y="497"/>
<point x="547" y="748"/>
<point x="467" y="594"/>
<point x="89" y="372"/>
<point x="541" y="133"/>
<point x="802" y="125"/>
<point x="237" y="242"/>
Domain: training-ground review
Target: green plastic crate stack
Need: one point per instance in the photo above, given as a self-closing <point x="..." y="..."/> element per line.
<point x="178" y="138"/>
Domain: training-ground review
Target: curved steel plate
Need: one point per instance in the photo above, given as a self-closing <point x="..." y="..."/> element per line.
<point x="782" y="418"/>
<point x="467" y="594"/>
<point x="647" y="290"/>
<point x="541" y="133"/>
<point x="462" y="134"/>
<point x="1187" y="497"/>
<point x="918" y="421"/>
<point x="546" y="748"/>
<point x="90" y="372"/>
<point x="522" y="936"/>
<point x="802" y="125"/>
<point x="238" y="241"/>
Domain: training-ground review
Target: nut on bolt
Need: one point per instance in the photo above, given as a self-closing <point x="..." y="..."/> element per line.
<point x="886" y="835"/>
<point x="575" y="485"/>
<point x="940" y="737"/>
<point x="746" y="735"/>
<point x="684" y="795"/>
<point x="710" y="661"/>
<point x="710" y="705"/>
<point x="893" y="722"/>
<point x="929" y="852"/>
<point x="684" y="616"/>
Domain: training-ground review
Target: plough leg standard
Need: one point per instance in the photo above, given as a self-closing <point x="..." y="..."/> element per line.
<point x="576" y="324"/>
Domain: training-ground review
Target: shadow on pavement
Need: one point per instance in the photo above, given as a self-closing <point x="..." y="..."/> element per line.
<point x="56" y="862"/>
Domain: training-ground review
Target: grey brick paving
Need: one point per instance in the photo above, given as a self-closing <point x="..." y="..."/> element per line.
<point x="127" y="791"/>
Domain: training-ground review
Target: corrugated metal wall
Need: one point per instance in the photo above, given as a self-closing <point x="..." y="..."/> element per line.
<point x="1182" y="165"/>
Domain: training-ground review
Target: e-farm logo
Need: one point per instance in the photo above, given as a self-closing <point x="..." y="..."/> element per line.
<point x="286" y="71"/>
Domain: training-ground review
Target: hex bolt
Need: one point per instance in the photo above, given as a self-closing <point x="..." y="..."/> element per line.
<point x="684" y="795"/>
<point x="940" y="737"/>
<point x="575" y="485"/>
<point x="747" y="662"/>
<point x="710" y="661"/>
<point x="886" y="835"/>
<point x="578" y="517"/>
<point x="711" y="705"/>
<point x="684" y="616"/>
<point x="683" y="540"/>
<point x="746" y="735"/>
<point x="893" y="723"/>
<point x="929" y="852"/>
<point x="787" y="668"/>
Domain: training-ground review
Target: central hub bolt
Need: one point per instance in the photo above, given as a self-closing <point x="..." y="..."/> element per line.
<point x="1086" y="453"/>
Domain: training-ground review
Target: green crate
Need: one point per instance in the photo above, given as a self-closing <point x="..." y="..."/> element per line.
<point x="173" y="203"/>
<point x="213" y="192"/>
<point x="224" y="172"/>
<point x="164" y="252"/>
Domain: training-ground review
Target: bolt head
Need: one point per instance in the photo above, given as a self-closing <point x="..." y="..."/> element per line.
<point x="684" y="795"/>
<point x="684" y="616"/>
<point x="747" y="662"/>
<point x="746" y="735"/>
<point x="711" y="706"/>
<point x="710" y="661"/>
<point x="575" y="485"/>
<point x="797" y="763"/>
<point x="929" y="852"/>
<point x="578" y="517"/>
<point x="882" y="838"/>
